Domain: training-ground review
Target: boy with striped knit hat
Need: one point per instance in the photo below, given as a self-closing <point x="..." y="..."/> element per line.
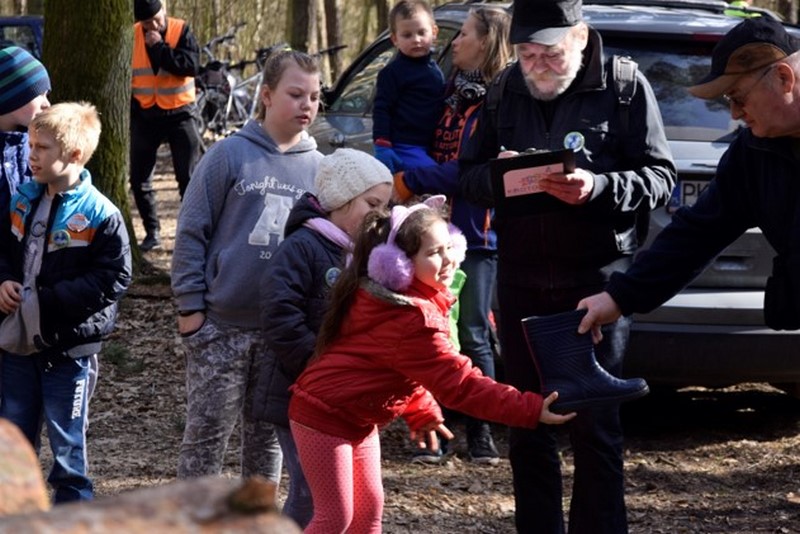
<point x="24" y="84"/>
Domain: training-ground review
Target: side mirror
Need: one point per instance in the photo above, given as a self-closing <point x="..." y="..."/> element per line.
<point x="326" y="96"/>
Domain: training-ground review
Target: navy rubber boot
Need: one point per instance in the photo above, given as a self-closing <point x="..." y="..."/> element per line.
<point x="567" y="364"/>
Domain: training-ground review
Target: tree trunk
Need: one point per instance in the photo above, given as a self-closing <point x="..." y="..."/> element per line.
<point x="303" y="25"/>
<point x="383" y="8"/>
<point x="87" y="50"/>
<point x="333" y="22"/>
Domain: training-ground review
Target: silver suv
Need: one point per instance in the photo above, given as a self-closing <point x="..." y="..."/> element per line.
<point x="712" y="333"/>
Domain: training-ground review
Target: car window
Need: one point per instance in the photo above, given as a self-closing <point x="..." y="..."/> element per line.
<point x="671" y="68"/>
<point x="356" y="96"/>
<point x="20" y="36"/>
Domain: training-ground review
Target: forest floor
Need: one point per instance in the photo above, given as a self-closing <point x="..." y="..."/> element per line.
<point x="696" y="460"/>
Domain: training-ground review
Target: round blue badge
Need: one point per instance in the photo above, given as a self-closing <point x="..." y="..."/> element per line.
<point x="574" y="141"/>
<point x="61" y="239"/>
<point x="331" y="275"/>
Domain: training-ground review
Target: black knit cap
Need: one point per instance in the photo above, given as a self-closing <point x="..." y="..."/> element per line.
<point x="751" y="45"/>
<point x="145" y="9"/>
<point x="544" y="22"/>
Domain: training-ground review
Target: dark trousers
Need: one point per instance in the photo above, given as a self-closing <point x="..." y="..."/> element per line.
<point x="475" y="304"/>
<point x="598" y="494"/>
<point x="147" y="134"/>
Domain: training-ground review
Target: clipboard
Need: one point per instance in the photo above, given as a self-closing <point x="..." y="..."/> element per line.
<point x="516" y="182"/>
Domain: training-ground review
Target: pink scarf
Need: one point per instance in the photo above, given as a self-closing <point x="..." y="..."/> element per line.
<point x="334" y="233"/>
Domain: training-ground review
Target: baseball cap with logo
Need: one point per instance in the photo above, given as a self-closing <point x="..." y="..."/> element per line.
<point x="751" y="45"/>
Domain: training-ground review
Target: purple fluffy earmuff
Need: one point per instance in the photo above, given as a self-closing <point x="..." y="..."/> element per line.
<point x="390" y="266"/>
<point x="459" y="244"/>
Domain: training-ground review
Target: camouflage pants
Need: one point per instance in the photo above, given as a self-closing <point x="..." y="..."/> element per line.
<point x="221" y="374"/>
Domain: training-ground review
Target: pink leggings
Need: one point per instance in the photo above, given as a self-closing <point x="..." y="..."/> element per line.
<point x="345" y="481"/>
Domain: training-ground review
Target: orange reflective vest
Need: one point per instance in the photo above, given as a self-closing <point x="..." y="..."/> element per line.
<point x="164" y="89"/>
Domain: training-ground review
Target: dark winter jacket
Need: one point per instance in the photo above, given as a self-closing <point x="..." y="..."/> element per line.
<point x="474" y="221"/>
<point x="560" y="245"/>
<point x="294" y="297"/>
<point x="13" y="167"/>
<point x="85" y="269"/>
<point x="408" y="100"/>
<point x="756" y="186"/>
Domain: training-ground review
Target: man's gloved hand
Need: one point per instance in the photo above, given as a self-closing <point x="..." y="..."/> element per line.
<point x="388" y="157"/>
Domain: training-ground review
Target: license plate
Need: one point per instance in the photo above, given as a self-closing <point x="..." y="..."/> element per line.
<point x="686" y="193"/>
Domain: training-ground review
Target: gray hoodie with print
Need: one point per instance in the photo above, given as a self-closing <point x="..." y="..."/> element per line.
<point x="232" y="219"/>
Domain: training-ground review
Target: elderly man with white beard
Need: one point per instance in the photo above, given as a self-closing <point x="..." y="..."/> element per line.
<point x="583" y="225"/>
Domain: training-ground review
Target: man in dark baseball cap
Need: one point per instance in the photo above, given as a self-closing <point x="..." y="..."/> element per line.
<point x="558" y="95"/>
<point x="750" y="46"/>
<point x="757" y="185"/>
<point x="544" y="22"/>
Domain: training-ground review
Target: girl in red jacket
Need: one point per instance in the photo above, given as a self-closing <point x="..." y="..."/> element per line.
<point x="384" y="351"/>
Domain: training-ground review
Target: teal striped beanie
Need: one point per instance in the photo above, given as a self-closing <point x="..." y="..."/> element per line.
<point x="22" y="78"/>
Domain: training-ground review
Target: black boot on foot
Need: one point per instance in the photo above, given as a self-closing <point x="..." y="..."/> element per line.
<point x="151" y="240"/>
<point x="567" y="364"/>
<point x="482" y="449"/>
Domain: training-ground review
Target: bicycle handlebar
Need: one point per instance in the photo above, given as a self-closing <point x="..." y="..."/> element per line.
<point x="230" y="35"/>
<point x="330" y="50"/>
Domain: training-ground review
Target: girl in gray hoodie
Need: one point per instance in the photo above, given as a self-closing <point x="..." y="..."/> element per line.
<point x="230" y="224"/>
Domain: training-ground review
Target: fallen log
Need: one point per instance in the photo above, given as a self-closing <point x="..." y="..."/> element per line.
<point x="204" y="505"/>
<point x="22" y="488"/>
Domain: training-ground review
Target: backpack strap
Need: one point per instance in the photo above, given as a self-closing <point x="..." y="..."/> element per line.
<point x="623" y="74"/>
<point x="495" y="93"/>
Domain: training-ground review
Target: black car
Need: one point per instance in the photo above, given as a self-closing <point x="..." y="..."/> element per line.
<point x="712" y="333"/>
<point x="25" y="31"/>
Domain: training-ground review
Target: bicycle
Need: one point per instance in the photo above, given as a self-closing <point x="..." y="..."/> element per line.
<point x="245" y="94"/>
<point x="214" y="86"/>
<point x="226" y="101"/>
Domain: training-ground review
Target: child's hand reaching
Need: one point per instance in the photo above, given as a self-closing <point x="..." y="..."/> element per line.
<point x="549" y="417"/>
<point x="427" y="437"/>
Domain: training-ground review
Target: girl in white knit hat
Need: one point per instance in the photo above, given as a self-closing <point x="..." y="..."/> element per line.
<point x="294" y="290"/>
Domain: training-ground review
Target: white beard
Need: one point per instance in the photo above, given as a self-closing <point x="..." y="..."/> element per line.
<point x="555" y="84"/>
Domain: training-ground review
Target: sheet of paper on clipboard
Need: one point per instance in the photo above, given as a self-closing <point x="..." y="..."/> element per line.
<point x="516" y="181"/>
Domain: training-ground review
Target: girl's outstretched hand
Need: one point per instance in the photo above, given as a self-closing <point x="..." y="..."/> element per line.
<point x="549" y="417"/>
<point x="427" y="437"/>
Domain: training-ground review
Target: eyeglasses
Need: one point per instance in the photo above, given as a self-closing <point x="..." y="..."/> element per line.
<point x="741" y="100"/>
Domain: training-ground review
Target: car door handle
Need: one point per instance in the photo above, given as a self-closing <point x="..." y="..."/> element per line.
<point x="732" y="263"/>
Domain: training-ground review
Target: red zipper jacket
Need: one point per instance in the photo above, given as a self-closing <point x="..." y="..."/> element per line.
<point x="392" y="357"/>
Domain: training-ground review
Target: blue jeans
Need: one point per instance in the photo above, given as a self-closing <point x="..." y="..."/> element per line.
<point x="298" y="505"/>
<point x="598" y="493"/>
<point x="56" y="387"/>
<point x="475" y="303"/>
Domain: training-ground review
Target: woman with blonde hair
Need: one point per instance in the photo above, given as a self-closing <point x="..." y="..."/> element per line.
<point x="480" y="51"/>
